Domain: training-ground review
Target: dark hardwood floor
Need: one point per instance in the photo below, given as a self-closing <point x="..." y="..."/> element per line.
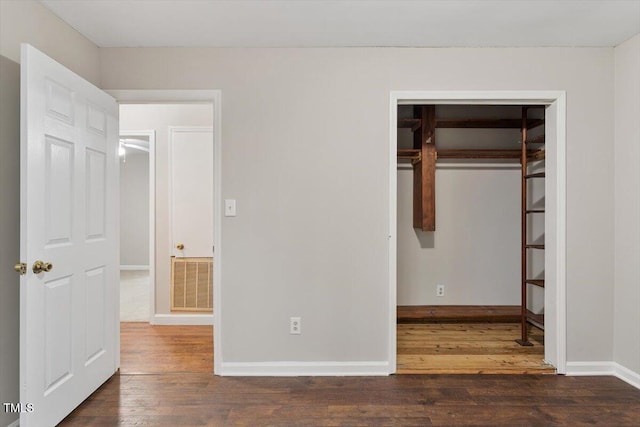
<point x="406" y="400"/>
<point x="153" y="394"/>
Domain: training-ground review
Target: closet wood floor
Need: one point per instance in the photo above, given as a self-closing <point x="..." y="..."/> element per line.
<point x="468" y="348"/>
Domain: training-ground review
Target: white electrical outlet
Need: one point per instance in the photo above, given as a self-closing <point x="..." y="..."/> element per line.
<point x="229" y="207"/>
<point x="439" y="290"/>
<point x="295" y="325"/>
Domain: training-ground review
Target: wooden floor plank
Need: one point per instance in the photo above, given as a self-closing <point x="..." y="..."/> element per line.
<point x="202" y="399"/>
<point x="149" y="349"/>
<point x="468" y="348"/>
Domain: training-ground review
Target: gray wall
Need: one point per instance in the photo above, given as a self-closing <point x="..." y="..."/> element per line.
<point x="159" y="117"/>
<point x="627" y="203"/>
<point x="9" y="233"/>
<point x="28" y="21"/>
<point x="475" y="250"/>
<point x="134" y="208"/>
<point x="305" y="136"/>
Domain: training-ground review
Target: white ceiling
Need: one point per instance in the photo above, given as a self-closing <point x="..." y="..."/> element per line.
<point x="311" y="23"/>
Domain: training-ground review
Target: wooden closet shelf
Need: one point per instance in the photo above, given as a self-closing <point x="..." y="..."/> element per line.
<point x="535" y="282"/>
<point x="536" y="320"/>
<point x="536" y="155"/>
<point x="535" y="175"/>
<point x="414" y="124"/>
<point x="527" y="316"/>
<point x="534" y="246"/>
<point x="412" y="160"/>
<point x="486" y="123"/>
<point x="478" y="154"/>
<point x="536" y="140"/>
<point x="531" y="124"/>
<point x="410" y="153"/>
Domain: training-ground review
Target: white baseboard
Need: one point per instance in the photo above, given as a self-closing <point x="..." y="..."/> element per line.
<point x="182" y="319"/>
<point x="589" y="368"/>
<point x="299" y="369"/>
<point x="627" y="375"/>
<point x="134" y="267"/>
<point x="604" y="368"/>
<point x="16" y="423"/>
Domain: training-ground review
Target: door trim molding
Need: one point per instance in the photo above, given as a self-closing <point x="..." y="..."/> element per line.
<point x="555" y="98"/>
<point x="204" y="96"/>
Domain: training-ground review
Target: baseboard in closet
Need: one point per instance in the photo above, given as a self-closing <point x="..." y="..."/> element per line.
<point x="458" y="313"/>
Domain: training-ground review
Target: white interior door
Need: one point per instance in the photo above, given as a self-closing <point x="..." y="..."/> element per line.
<point x="191" y="191"/>
<point x="69" y="339"/>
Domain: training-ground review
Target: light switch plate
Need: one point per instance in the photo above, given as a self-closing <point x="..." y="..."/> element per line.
<point x="229" y="207"/>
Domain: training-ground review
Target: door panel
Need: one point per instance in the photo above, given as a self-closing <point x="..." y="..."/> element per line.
<point x="96" y="119"/>
<point x="69" y="205"/>
<point x="58" y="194"/>
<point x="95" y="193"/>
<point x="58" y="332"/>
<point x="59" y="101"/>
<point x="94" y="314"/>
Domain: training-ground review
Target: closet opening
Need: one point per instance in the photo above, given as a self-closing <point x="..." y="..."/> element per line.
<point x="471" y="226"/>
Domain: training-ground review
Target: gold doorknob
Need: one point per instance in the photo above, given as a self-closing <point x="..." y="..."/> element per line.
<point x="179" y="246"/>
<point x="40" y="266"/>
<point x="20" y="268"/>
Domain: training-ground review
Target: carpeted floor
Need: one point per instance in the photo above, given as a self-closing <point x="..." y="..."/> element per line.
<point x="134" y="295"/>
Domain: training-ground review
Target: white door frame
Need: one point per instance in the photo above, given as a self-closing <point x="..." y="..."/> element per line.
<point x="556" y="243"/>
<point x="213" y="97"/>
<point x="151" y="135"/>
